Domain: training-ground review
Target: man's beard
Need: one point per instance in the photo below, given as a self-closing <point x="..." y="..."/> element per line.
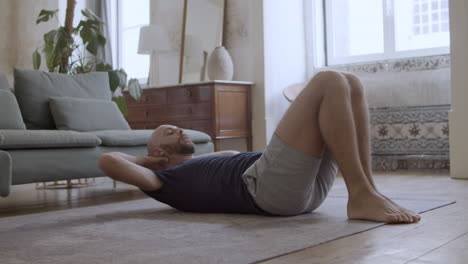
<point x="181" y="149"/>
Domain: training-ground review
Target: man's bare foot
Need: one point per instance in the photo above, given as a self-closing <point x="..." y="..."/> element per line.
<point x="401" y="209"/>
<point x="395" y="206"/>
<point x="372" y="206"/>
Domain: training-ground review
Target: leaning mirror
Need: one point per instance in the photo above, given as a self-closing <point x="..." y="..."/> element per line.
<point x="202" y="32"/>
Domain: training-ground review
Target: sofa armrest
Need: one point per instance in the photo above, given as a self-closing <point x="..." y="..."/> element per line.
<point x="5" y="173"/>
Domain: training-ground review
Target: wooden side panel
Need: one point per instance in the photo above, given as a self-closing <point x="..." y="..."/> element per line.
<point x="232" y="111"/>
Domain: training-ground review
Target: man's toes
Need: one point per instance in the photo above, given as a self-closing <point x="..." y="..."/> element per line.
<point x="416" y="218"/>
<point x="410" y="218"/>
<point x="406" y="218"/>
<point x="394" y="218"/>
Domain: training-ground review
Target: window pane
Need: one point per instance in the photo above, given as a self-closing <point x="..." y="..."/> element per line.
<point x="136" y="65"/>
<point x="134" y="13"/>
<point x="356" y="27"/>
<point x="430" y="31"/>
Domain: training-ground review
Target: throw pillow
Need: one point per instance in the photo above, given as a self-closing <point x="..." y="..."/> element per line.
<point x="81" y="114"/>
<point x="4" y="82"/>
<point x="10" y="117"/>
<point x="34" y="88"/>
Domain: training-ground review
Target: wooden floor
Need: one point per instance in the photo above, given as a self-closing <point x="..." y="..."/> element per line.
<point x="440" y="237"/>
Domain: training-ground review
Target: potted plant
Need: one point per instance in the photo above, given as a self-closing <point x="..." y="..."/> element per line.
<point x="74" y="50"/>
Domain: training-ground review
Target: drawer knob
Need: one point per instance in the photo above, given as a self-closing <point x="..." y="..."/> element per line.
<point x="189" y="110"/>
<point x="146" y="99"/>
<point x="189" y="93"/>
<point x="146" y="113"/>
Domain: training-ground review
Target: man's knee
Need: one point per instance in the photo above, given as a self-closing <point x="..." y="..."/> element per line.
<point x="331" y="82"/>
<point x="327" y="76"/>
<point x="356" y="88"/>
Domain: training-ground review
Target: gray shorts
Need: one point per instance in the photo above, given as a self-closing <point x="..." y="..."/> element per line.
<point x="285" y="181"/>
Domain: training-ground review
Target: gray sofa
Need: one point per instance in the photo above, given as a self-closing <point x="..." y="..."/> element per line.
<point x="54" y="127"/>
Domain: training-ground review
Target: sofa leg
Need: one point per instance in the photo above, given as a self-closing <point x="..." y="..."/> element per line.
<point x="5" y="173"/>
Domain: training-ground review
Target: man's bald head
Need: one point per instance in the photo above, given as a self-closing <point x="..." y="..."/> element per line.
<point x="169" y="140"/>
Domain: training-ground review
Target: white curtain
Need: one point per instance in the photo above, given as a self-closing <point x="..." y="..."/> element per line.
<point x="102" y="8"/>
<point x="314" y="35"/>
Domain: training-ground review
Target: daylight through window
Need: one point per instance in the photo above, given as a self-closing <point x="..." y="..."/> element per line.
<point x="370" y="30"/>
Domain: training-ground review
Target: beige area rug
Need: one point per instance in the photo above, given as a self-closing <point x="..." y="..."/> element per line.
<point x="145" y="231"/>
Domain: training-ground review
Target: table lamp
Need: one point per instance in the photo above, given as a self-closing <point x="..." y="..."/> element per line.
<point x="153" y="40"/>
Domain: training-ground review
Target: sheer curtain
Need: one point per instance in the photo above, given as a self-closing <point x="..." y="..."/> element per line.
<point x="102" y="8"/>
<point x="314" y="28"/>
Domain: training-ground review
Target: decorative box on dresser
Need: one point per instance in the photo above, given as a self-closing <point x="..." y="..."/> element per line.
<point x="222" y="109"/>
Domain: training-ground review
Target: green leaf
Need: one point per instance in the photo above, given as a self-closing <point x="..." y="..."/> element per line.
<point x="49" y="48"/>
<point x="113" y="80"/>
<point x="77" y="29"/>
<point x="91" y="16"/>
<point x="61" y="41"/>
<point x="36" y="57"/>
<point x="103" y="67"/>
<point x="122" y="78"/>
<point x="134" y="88"/>
<point x="92" y="37"/>
<point x="120" y="101"/>
<point x="45" y="15"/>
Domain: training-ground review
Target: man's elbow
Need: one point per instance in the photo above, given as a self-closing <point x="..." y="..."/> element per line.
<point x="107" y="160"/>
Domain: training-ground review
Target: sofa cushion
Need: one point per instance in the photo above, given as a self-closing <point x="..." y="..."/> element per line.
<point x="82" y="114"/>
<point x="30" y="139"/>
<point x="10" y="117"/>
<point x="34" y="88"/>
<point x="121" y="138"/>
<point x="4" y="82"/>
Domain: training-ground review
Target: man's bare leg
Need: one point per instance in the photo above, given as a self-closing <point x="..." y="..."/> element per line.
<point x="321" y="115"/>
<point x="361" y="119"/>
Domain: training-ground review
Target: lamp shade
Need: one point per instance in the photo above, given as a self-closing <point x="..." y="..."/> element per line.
<point x="153" y="38"/>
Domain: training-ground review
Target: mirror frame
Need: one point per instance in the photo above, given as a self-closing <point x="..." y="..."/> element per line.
<point x="182" y="43"/>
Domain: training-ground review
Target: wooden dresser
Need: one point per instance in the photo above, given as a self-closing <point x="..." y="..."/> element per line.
<point x="222" y="109"/>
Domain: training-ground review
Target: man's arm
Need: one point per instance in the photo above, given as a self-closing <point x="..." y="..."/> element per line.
<point x="224" y="152"/>
<point x="137" y="171"/>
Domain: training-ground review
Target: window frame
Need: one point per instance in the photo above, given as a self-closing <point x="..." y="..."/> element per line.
<point x="119" y="40"/>
<point x="389" y="52"/>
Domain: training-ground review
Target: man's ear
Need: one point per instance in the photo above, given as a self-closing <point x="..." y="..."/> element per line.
<point x="158" y="152"/>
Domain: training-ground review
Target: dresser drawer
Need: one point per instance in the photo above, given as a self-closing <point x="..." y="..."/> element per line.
<point x="146" y="113"/>
<point x="154" y="125"/>
<point x="189" y="94"/>
<point x="181" y="111"/>
<point x="145" y="125"/>
<point x="148" y="97"/>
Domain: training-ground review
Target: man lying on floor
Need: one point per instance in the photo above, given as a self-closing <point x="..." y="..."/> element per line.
<point x="325" y="128"/>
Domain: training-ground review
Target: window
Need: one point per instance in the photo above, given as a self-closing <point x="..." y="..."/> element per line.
<point x="131" y="16"/>
<point x="370" y="30"/>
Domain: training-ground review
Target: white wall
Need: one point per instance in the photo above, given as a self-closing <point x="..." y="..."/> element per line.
<point x="21" y="35"/>
<point x="285" y="56"/>
<point x="244" y="40"/>
<point x="266" y="41"/>
<point x="458" y="119"/>
<point x="7" y="45"/>
<point x="169" y="14"/>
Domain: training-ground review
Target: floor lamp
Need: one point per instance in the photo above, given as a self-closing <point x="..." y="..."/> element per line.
<point x="153" y="40"/>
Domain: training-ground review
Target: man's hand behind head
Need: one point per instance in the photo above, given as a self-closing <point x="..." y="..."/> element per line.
<point x="153" y="163"/>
